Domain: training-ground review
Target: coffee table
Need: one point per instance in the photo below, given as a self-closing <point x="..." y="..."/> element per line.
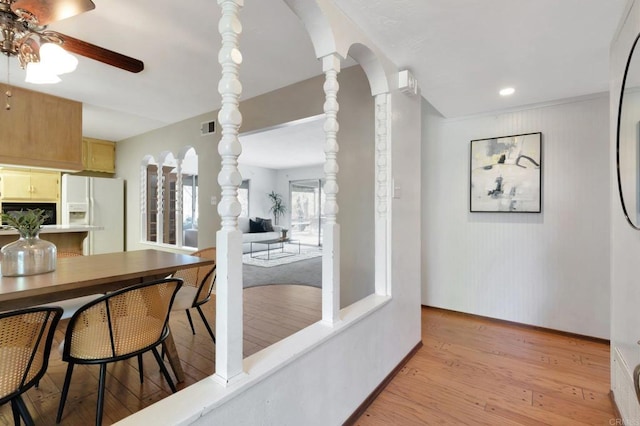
<point x="274" y="244"/>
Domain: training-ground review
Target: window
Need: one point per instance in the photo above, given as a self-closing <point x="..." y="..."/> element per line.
<point x="189" y="182"/>
<point x="189" y="201"/>
<point x="307" y="210"/>
<point x="243" y="197"/>
<point x="170" y="202"/>
<point x="152" y="202"/>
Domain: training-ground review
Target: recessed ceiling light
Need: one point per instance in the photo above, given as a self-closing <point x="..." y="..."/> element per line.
<point x="507" y="91"/>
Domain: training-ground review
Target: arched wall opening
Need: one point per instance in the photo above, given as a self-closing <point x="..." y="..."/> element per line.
<point x="356" y="257"/>
<point x="326" y="353"/>
<point x="169" y="199"/>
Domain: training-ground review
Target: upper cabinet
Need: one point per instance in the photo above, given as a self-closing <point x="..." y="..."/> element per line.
<point x="41" y="131"/>
<point x="29" y="185"/>
<point x="98" y="155"/>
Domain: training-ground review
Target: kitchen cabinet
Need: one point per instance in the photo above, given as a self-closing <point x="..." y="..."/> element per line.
<point x="99" y="155"/>
<point x="29" y="185"/>
<point x="41" y="131"/>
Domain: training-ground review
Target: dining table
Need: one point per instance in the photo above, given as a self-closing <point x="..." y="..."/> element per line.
<point x="85" y="275"/>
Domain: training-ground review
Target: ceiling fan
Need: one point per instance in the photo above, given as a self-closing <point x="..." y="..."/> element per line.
<point x="23" y="32"/>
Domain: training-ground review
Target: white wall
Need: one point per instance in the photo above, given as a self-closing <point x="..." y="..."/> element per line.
<point x="320" y="375"/>
<point x="625" y="245"/>
<point x="262" y="182"/>
<point x="299" y="173"/>
<point x="549" y="269"/>
<point x="322" y="384"/>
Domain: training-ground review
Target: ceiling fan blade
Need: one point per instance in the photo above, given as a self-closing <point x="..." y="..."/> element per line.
<point x="101" y="54"/>
<point x="47" y="11"/>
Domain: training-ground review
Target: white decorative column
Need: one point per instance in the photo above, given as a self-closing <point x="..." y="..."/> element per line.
<point x="179" y="213"/>
<point x="160" y="205"/>
<point x="229" y="238"/>
<point x="331" y="229"/>
<point x="144" y="211"/>
<point x="383" y="173"/>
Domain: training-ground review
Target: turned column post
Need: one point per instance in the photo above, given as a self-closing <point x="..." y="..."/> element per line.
<point x="331" y="229"/>
<point x="160" y="204"/>
<point x="383" y="182"/>
<point x="229" y="237"/>
<point x="179" y="213"/>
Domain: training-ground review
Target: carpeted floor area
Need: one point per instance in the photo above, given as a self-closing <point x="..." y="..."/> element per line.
<point x="278" y="257"/>
<point x="306" y="272"/>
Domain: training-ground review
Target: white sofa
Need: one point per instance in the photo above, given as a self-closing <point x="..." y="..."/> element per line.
<point x="248" y="237"/>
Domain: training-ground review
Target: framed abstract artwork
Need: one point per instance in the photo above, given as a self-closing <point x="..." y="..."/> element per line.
<point x="505" y="174"/>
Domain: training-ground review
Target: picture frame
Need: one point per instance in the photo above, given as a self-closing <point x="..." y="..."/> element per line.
<point x="506" y="174"/>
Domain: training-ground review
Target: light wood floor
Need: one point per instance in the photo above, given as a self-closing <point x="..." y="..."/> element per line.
<point x="474" y="371"/>
<point x="469" y="371"/>
<point x="271" y="313"/>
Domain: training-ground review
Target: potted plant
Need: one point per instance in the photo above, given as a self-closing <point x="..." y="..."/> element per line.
<point x="277" y="206"/>
<point x="28" y="255"/>
<point x="27" y="223"/>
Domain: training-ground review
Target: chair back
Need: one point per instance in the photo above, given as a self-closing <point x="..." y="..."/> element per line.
<point x="25" y="344"/>
<point x="120" y="324"/>
<point x="203" y="277"/>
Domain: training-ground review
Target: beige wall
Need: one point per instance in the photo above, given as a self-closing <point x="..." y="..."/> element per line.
<point x="322" y="383"/>
<point x="129" y="155"/>
<point x="321" y="374"/>
<point x="300" y="100"/>
<point x="356" y="180"/>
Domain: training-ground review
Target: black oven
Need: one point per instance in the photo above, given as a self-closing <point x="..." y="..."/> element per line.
<point x="50" y="210"/>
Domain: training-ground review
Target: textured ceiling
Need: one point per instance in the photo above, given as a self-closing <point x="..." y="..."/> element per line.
<point x="178" y="43"/>
<point x="461" y="52"/>
<point x="283" y="147"/>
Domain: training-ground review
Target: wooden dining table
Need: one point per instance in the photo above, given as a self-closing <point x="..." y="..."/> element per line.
<point x="101" y="273"/>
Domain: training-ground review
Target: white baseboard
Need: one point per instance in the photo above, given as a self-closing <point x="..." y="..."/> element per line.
<point x="623" y="391"/>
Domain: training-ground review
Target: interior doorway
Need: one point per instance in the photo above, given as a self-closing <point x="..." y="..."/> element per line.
<point x="306" y="199"/>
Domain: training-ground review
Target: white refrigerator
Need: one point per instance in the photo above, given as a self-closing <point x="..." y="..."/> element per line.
<point x="99" y="202"/>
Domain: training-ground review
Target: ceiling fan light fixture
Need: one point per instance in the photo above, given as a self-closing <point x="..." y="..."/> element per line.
<point x="56" y="59"/>
<point x="24" y="34"/>
<point x="38" y="73"/>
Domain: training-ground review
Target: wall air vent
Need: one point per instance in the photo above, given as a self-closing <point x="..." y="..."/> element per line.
<point x="208" y="128"/>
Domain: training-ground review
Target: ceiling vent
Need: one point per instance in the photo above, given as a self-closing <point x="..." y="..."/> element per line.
<point x="208" y="128"/>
